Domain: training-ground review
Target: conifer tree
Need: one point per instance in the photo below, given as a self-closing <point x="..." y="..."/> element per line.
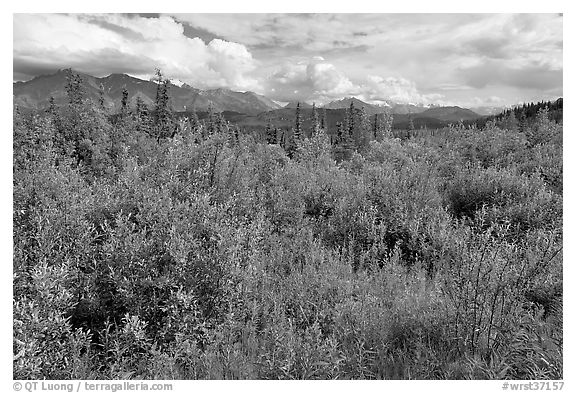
<point x="140" y="107"/>
<point x="510" y="122"/>
<point x="142" y="120"/>
<point x="124" y="102"/>
<point x="101" y="96"/>
<point x="194" y="121"/>
<point x="211" y="126"/>
<point x="221" y="123"/>
<point x="283" y="139"/>
<point x="315" y="121"/>
<point x="74" y="88"/>
<point x="523" y="123"/>
<point x="292" y="143"/>
<point x="410" y="123"/>
<point x="340" y="133"/>
<point x="51" y="106"/>
<point x="377" y="128"/>
<point x="163" y="115"/>
<point x="297" y="132"/>
<point x="350" y="117"/>
<point x="323" y="121"/>
<point x="232" y="134"/>
<point x="387" y="124"/>
<point x="364" y="132"/>
<point x="270" y="132"/>
<point x="237" y="134"/>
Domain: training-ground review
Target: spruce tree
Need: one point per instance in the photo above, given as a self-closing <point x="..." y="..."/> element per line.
<point x="510" y="122"/>
<point x="270" y="132"/>
<point x="211" y="126"/>
<point x="387" y="124"/>
<point x="74" y="88"/>
<point x="340" y="138"/>
<point x="124" y="102"/>
<point x="101" y="96"/>
<point x="51" y="106"/>
<point x="523" y="123"/>
<point x="377" y="129"/>
<point x="194" y="121"/>
<point x="237" y="134"/>
<point x="364" y="134"/>
<point x="323" y="121"/>
<point x="142" y="119"/>
<point x="163" y="115"/>
<point x="232" y="134"/>
<point x="297" y="132"/>
<point x="351" y="121"/>
<point x="221" y="123"/>
<point x="315" y="121"/>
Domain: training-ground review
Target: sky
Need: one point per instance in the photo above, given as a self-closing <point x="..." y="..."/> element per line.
<point x="469" y="60"/>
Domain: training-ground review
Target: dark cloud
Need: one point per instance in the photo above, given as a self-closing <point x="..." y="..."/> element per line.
<point x="496" y="48"/>
<point x="123" y="31"/>
<point x="346" y="50"/>
<point x="533" y="76"/>
<point x="146" y="15"/>
<point x="193" y="32"/>
<point x="98" y="63"/>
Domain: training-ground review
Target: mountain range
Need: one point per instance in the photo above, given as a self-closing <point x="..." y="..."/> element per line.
<point x="245" y="108"/>
<point x="36" y="93"/>
<point x="394" y="107"/>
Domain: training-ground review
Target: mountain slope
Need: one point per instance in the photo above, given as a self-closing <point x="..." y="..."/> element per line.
<point x="285" y="118"/>
<point x="345" y="103"/>
<point x="36" y="93"/>
<point x="448" y="114"/>
<point x="294" y="104"/>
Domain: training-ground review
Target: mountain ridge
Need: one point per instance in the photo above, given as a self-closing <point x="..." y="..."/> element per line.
<point x="36" y="93"/>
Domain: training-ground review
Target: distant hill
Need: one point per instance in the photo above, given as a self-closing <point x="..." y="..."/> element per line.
<point x="529" y="112"/>
<point x="487" y="110"/>
<point x="293" y="104"/>
<point x="404" y="109"/>
<point x="36" y="93"/>
<point x="345" y="104"/>
<point x="285" y="117"/>
<point x="448" y="114"/>
<point x="371" y="109"/>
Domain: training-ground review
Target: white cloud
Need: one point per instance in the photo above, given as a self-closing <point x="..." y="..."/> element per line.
<point x="512" y="56"/>
<point x="378" y="89"/>
<point x="100" y="44"/>
<point x="321" y="81"/>
<point x="312" y="79"/>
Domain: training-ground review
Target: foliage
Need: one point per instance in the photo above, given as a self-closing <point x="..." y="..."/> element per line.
<point x="210" y="253"/>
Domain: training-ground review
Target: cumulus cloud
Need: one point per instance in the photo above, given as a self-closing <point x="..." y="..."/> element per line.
<point x="430" y="50"/>
<point x="424" y="58"/>
<point x="101" y="44"/>
<point x="379" y="90"/>
<point x="309" y="80"/>
<point x="320" y="81"/>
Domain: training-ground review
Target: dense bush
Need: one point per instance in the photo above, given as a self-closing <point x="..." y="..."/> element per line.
<point x="212" y="255"/>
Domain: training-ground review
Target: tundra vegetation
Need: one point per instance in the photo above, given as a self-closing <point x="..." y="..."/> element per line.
<point x="151" y="247"/>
